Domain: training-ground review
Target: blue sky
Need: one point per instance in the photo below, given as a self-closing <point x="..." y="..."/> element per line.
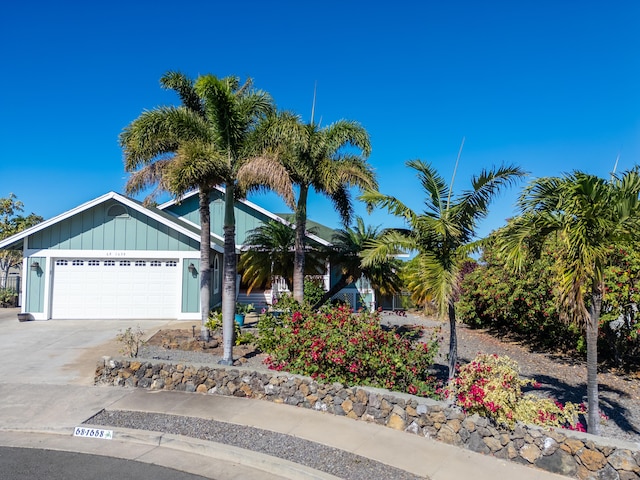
<point x="550" y="86"/>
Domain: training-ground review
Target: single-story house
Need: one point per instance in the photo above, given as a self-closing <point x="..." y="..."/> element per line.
<point x="114" y="258"/>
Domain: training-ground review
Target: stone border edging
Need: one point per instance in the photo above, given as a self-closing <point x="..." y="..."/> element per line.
<point x="574" y="454"/>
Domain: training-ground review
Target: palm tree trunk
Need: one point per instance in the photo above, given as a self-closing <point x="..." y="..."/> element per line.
<point x="340" y="284"/>
<point x="453" y="340"/>
<point x="298" y="260"/>
<point x="229" y="271"/>
<point x="205" y="263"/>
<point x="593" y="411"/>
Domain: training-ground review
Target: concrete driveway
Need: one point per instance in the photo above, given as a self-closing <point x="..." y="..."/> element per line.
<point x="61" y="352"/>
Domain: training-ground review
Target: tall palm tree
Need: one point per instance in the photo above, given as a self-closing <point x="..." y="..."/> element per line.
<point x="585" y="215"/>
<point x="443" y="235"/>
<point x="172" y="149"/>
<point x="271" y="252"/>
<point x="328" y="160"/>
<point x="205" y="142"/>
<point x="347" y="246"/>
<point x="247" y="163"/>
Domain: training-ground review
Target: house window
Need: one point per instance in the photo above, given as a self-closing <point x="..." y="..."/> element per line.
<point x="93" y="263"/>
<point x="216" y="274"/>
<point x="155" y="263"/>
<point x="125" y="263"/>
<point x="109" y="263"/>
<point x="62" y="262"/>
<point x="171" y="263"/>
<point x="77" y="263"/>
<point x="141" y="263"/>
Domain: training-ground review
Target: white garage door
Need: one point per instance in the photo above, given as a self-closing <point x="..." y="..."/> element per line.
<point x="101" y="288"/>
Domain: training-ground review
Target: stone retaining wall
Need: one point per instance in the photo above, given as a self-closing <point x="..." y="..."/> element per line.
<point x="568" y="453"/>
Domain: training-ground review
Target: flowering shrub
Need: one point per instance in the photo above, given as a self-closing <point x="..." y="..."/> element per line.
<point x="490" y="386"/>
<point x="337" y="345"/>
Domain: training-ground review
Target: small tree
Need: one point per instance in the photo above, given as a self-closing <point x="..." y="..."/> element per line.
<point x="271" y="253"/>
<point x="10" y="224"/>
<point x="443" y="235"/>
<point x="586" y="214"/>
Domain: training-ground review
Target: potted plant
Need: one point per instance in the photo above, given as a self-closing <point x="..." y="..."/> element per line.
<point x="241" y="311"/>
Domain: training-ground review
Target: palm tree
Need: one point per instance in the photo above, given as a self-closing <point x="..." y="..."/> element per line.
<point x="271" y="252"/>
<point x="167" y="144"/>
<point x="443" y="235"/>
<point x="246" y="162"/>
<point x="348" y="245"/>
<point x="205" y="142"/>
<point x="585" y="214"/>
<point x="320" y="159"/>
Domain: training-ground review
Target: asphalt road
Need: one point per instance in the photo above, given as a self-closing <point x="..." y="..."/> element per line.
<point x="30" y="464"/>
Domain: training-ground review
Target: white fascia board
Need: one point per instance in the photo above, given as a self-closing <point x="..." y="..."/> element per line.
<point x="215" y="246"/>
<point x="114" y="254"/>
<point x="249" y="204"/>
<point x="92" y="203"/>
<point x="46" y="223"/>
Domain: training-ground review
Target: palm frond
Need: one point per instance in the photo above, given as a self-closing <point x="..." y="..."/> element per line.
<point x="151" y="175"/>
<point x="266" y="172"/>
<point x="433" y="184"/>
<point x="159" y="132"/>
<point x="429" y="280"/>
<point x="387" y="245"/>
<point x="345" y="133"/>
<point x="196" y="165"/>
<point x="391" y="204"/>
<point x="473" y="205"/>
<point x="184" y="87"/>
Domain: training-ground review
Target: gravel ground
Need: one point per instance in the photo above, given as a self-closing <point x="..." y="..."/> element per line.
<point x="320" y="457"/>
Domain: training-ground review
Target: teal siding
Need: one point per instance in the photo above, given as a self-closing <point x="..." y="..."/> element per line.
<point x="93" y="229"/>
<point x="247" y="219"/>
<point x="190" y="286"/>
<point x="35" y="285"/>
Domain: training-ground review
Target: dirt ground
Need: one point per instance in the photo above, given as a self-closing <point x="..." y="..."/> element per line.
<point x="189" y="340"/>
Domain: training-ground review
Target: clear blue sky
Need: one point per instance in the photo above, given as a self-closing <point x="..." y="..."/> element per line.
<point x="549" y="85"/>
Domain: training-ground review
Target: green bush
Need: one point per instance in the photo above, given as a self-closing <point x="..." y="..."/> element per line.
<point x="7" y="297"/>
<point x="527" y="303"/>
<point x="313" y="292"/>
<point x="619" y="323"/>
<point x="491" y="387"/>
<point x="337" y="345"/>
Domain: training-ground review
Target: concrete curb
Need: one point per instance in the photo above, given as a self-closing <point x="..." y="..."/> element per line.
<point x="177" y="444"/>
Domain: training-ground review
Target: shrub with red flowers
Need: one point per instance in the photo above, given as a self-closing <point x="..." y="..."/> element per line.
<point x="491" y="386"/>
<point x="338" y="345"/>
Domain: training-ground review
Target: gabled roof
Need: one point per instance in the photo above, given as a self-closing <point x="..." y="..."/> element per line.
<point x="162" y="217"/>
<point x="319" y="238"/>
<point x="319" y="230"/>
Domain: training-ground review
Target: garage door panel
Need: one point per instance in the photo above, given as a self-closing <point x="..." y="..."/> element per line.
<point x="115" y="289"/>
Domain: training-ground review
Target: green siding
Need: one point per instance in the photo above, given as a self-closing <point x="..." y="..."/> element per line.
<point x="190" y="286"/>
<point x="94" y="230"/>
<point x="35" y="285"/>
<point x="247" y="218"/>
